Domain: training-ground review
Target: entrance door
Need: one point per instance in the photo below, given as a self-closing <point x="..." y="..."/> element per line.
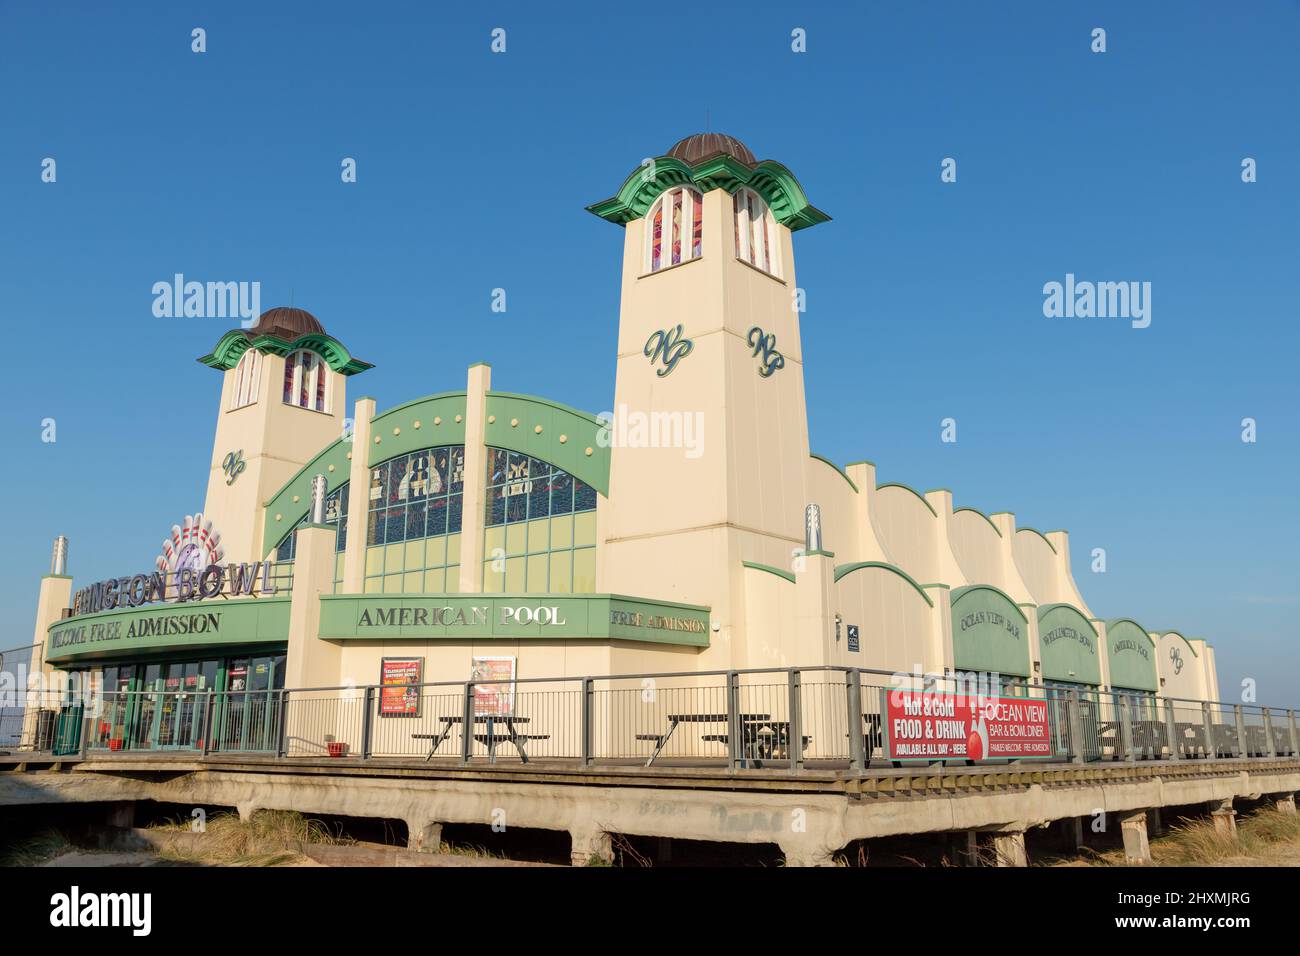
<point x="251" y="705"/>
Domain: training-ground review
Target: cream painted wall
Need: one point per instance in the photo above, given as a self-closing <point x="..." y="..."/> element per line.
<point x="276" y="440"/>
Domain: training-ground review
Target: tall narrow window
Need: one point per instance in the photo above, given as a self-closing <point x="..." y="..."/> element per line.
<point x="306" y="381"/>
<point x="669" y="219"/>
<point x="756" y="233"/>
<point x="248" y="375"/>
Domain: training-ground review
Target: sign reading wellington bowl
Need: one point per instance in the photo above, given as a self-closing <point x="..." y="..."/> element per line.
<point x="927" y="725"/>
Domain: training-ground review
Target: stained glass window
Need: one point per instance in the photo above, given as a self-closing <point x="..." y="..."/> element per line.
<point x="755" y="232"/>
<point x="336" y="513"/>
<point x="540" y="534"/>
<point x="413" y="522"/>
<point x="306" y="381"/>
<point x="671" y="212"/>
<point x="657" y="241"/>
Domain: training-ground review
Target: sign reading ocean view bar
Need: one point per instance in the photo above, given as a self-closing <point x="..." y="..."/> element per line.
<point x="450" y="616"/>
<point x="925" y="725"/>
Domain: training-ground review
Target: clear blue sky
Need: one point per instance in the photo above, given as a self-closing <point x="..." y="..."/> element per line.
<point x="924" y="298"/>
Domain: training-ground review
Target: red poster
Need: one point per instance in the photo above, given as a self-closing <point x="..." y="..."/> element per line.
<point x="926" y="725"/>
<point x="399" y="691"/>
<point x="493" y="700"/>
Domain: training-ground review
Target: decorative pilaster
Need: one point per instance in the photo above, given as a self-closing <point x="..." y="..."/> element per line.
<point x="472" y="509"/>
<point x="354" y="557"/>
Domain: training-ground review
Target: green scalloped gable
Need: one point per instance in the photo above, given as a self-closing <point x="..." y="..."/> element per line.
<point x="1185" y="639"/>
<point x="1040" y="534"/>
<point x="1067" y="644"/>
<point x="1130" y="652"/>
<point x="957" y="511"/>
<point x="232" y="346"/>
<point x="290" y="511"/>
<point x="784" y="575"/>
<point x="770" y="179"/>
<point x="919" y="497"/>
<point x="579" y="430"/>
<point x="990" y="633"/>
<point x="842" y="473"/>
<point x="438" y="426"/>
<point x="843" y="570"/>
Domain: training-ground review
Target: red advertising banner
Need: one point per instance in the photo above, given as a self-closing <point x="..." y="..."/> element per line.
<point x="927" y="725"/>
<point x="399" y="690"/>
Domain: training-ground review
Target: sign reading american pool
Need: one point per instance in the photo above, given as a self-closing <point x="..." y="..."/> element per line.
<point x="927" y="725"/>
<point x="451" y="616"/>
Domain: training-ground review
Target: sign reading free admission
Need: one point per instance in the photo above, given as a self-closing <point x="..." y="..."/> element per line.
<point x="929" y="725"/>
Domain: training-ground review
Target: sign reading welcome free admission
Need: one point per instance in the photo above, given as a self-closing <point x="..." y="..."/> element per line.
<point x="929" y="725"/>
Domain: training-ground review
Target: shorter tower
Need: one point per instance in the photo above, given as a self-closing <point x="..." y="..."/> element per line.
<point x="283" y="399"/>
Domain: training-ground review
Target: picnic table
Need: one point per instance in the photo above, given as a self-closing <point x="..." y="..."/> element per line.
<point x="490" y="738"/>
<point x="761" y="736"/>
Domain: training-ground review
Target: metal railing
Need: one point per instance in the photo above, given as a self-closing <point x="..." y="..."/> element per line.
<point x="814" y="717"/>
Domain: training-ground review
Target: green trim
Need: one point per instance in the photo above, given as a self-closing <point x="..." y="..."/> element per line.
<point x="842" y="473"/>
<point x="1048" y="608"/>
<point x="982" y="515"/>
<point x="613" y="617"/>
<point x="238" y="623"/>
<point x="231" y="347"/>
<point x="815" y="554"/>
<point x="444" y="405"/>
<point x="771" y="180"/>
<point x="580" y="429"/>
<point x="862" y="462"/>
<point x="1185" y="640"/>
<point x="919" y="496"/>
<point x="846" y="569"/>
<point x="787" y="575"/>
<point x="1040" y="534"/>
<point x="57" y="577"/>
<point x="290" y="511"/>
<point x="961" y="592"/>
<point x="946" y="587"/>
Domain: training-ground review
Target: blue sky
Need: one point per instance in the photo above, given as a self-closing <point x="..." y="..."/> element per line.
<point x="924" y="298"/>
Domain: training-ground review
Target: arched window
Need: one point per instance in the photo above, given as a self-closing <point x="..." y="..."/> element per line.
<point x="336" y="513"/>
<point x="676" y="227"/>
<point x="756" y="233"/>
<point x="413" y="522"/>
<point x="540" y="534"/>
<point x="248" y="375"/>
<point x="306" y="381"/>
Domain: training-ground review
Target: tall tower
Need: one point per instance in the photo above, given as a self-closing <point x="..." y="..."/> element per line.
<point x="710" y="434"/>
<point x="283" y="399"/>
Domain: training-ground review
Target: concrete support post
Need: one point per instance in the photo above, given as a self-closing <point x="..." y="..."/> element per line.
<point x="1284" y="803"/>
<point x="1224" y="817"/>
<point x="1137" y="848"/>
<point x="1155" y="823"/>
<point x="1009" y="848"/>
<point x="967" y="847"/>
<point x="1074" y="833"/>
<point x="806" y="854"/>
<point x="471" y="537"/>
<point x="121" y="814"/>
<point x="354" y="558"/>
<point x="588" y="845"/>
<point x="423" y="836"/>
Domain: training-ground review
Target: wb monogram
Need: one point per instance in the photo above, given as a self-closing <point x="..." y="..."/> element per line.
<point x="765" y="342"/>
<point x="668" y="346"/>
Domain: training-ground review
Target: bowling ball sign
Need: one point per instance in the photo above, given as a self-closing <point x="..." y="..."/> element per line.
<point x="928" y="725"/>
